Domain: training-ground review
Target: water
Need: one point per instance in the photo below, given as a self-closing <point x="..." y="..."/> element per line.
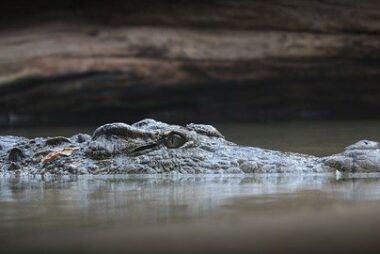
<point x="200" y="213"/>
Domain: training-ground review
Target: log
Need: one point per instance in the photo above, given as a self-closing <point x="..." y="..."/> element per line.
<point x="181" y="61"/>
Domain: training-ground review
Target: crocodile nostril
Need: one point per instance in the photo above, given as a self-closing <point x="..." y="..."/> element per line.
<point x="364" y="144"/>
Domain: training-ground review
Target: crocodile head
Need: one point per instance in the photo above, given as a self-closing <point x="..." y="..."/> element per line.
<point x="150" y="146"/>
<point x="147" y="146"/>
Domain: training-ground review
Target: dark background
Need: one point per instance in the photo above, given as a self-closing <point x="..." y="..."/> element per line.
<point x="90" y="62"/>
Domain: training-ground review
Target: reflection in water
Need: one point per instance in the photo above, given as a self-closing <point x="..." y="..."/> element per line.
<point x="35" y="211"/>
<point x="139" y="199"/>
<point x="199" y="212"/>
<point x="103" y="212"/>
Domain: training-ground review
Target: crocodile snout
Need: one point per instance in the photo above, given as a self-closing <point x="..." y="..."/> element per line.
<point x="364" y="145"/>
<point x="363" y="156"/>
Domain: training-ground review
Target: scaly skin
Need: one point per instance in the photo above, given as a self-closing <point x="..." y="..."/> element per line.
<point x="149" y="146"/>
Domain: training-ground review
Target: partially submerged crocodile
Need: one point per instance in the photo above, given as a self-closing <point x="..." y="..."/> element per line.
<point x="150" y="146"/>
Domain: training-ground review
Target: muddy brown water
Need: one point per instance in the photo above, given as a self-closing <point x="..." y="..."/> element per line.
<point x="201" y="213"/>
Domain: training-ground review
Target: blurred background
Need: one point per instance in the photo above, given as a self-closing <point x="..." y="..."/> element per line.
<point x="289" y="75"/>
<point x="89" y="62"/>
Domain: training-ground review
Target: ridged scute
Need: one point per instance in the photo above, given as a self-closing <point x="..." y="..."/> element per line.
<point x="143" y="147"/>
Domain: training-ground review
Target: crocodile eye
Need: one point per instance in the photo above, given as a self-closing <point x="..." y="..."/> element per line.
<point x="174" y="140"/>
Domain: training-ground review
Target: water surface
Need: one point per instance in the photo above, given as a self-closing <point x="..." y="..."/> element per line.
<point x="200" y="213"/>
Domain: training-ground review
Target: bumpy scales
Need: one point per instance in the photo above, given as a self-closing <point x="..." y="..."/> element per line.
<point x="149" y="146"/>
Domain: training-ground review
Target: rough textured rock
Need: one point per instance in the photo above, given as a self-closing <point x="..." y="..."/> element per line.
<point x="189" y="60"/>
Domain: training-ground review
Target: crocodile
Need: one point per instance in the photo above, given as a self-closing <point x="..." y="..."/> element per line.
<point x="151" y="147"/>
